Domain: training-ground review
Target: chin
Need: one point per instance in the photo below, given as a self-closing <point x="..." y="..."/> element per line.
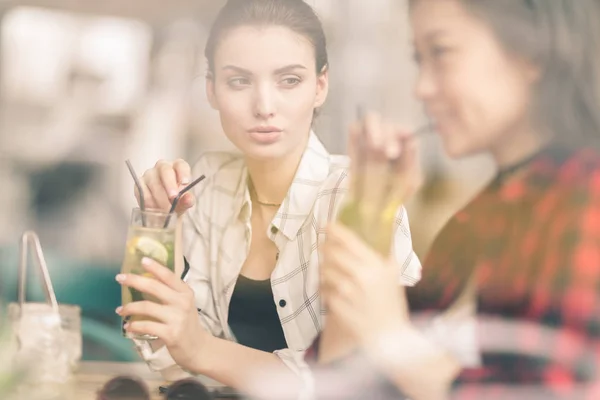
<point x="265" y="153"/>
<point x="458" y="149"/>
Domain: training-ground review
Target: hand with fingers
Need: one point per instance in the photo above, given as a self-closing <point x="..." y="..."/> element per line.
<point x="360" y="287"/>
<point x="387" y="154"/>
<point x="385" y="171"/>
<point x="173" y="318"/>
<point x="162" y="184"/>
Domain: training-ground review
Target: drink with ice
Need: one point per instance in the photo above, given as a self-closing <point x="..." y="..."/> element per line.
<point x="151" y="235"/>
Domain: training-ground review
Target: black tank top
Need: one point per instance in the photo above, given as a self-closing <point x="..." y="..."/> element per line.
<point x="253" y="317"/>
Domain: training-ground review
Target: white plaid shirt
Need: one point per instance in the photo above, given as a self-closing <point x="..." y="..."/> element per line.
<point x="217" y="236"/>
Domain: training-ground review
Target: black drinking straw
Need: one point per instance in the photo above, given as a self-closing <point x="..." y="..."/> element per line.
<point x="361" y="143"/>
<point x="140" y="190"/>
<point x="360" y="157"/>
<point x="176" y="199"/>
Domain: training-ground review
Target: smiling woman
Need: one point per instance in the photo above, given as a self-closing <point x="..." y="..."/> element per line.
<point x="251" y="303"/>
<point x="509" y="303"/>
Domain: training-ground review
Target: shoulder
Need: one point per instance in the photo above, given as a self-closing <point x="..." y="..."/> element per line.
<point x="577" y="166"/>
<point x="326" y="190"/>
<point x="580" y="190"/>
<point x="224" y="172"/>
<point x="339" y="166"/>
<point x="578" y="179"/>
<point x="221" y="169"/>
<point x="336" y="183"/>
<point x="583" y="168"/>
<point x="215" y="162"/>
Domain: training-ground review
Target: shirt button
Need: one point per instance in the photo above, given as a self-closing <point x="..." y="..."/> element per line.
<point x="282" y="303"/>
<point x="277" y="256"/>
<point x="274" y="230"/>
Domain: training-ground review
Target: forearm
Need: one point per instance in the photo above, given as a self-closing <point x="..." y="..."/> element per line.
<point x="414" y="364"/>
<point x="245" y="369"/>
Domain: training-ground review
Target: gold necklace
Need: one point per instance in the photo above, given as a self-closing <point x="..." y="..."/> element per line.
<point x="262" y="203"/>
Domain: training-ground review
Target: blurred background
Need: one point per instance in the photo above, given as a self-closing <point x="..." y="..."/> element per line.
<point x="84" y="85"/>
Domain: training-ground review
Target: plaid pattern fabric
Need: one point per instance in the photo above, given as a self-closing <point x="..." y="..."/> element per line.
<point x="531" y="240"/>
<point x="217" y="234"/>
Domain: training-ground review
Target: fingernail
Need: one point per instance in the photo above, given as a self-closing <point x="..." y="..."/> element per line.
<point x="185" y="181"/>
<point x="119" y="310"/>
<point x="121" y="278"/>
<point x="126" y="326"/>
<point x="146" y="261"/>
<point x="173" y="193"/>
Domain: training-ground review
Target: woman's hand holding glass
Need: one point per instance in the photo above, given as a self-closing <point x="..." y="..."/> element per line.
<point x="360" y="282"/>
<point x="173" y="319"/>
<point x="361" y="287"/>
<point x="167" y="309"/>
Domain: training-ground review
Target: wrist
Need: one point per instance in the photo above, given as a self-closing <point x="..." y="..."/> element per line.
<point x="201" y="355"/>
<point x="391" y="344"/>
<point x="335" y="342"/>
<point x="384" y="327"/>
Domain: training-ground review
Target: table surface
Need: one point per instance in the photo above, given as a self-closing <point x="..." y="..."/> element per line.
<point x="91" y="376"/>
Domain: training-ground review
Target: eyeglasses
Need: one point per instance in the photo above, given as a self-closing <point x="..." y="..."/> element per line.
<point x="133" y="388"/>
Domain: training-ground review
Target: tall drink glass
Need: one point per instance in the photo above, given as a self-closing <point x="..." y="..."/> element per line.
<point x="151" y="234"/>
<point x="371" y="209"/>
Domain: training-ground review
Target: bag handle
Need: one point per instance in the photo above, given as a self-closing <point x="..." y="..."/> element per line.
<point x="30" y="238"/>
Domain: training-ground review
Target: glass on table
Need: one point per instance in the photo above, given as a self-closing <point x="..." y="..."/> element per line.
<point x="151" y="235"/>
<point x="46" y="346"/>
<point x="45" y="338"/>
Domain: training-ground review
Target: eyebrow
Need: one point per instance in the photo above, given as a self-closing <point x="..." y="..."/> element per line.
<point x="237" y="69"/>
<point x="432" y="35"/>
<point x="278" y="71"/>
<point x="435" y="34"/>
<point x="289" y="68"/>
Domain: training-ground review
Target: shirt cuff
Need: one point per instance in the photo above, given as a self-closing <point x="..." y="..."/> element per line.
<point x="160" y="361"/>
<point x="455" y="333"/>
<point x="294" y="360"/>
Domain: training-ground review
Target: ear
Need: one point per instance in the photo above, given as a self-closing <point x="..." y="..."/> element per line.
<point x="210" y="91"/>
<point x="322" y="87"/>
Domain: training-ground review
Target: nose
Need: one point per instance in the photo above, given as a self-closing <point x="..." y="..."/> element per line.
<point x="264" y="102"/>
<point x="425" y="87"/>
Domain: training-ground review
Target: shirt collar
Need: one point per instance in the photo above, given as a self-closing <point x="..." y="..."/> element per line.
<point x="300" y="198"/>
<point x="535" y="175"/>
<point x="312" y="171"/>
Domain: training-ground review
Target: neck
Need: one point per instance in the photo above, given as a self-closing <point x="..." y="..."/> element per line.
<point x="521" y="144"/>
<point x="272" y="178"/>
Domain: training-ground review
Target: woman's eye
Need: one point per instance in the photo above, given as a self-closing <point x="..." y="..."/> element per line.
<point x="290" y="81"/>
<point x="238" y="82"/>
<point x="417" y="58"/>
<point x="438" y="52"/>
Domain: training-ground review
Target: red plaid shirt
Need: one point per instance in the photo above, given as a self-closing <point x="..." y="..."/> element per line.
<point x="531" y="240"/>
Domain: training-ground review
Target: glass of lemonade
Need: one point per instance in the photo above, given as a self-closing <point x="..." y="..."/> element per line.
<point x="151" y="234"/>
<point x="371" y="209"/>
<point x="373" y="224"/>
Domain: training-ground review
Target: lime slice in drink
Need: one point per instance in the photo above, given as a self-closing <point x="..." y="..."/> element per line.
<point x="151" y="248"/>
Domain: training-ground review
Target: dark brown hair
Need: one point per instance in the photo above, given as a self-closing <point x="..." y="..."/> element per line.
<point x="562" y="37"/>
<point x="293" y="14"/>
